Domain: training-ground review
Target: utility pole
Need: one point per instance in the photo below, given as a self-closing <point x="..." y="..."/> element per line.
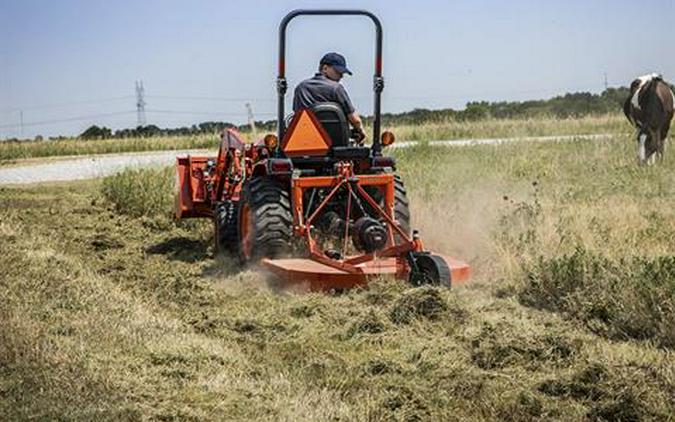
<point x="140" y="104"/>
<point x="251" y="119"/>
<point x="21" y="122"/>
<point x="606" y="81"/>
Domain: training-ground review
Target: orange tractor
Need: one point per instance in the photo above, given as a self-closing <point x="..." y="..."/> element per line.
<point x="310" y="204"/>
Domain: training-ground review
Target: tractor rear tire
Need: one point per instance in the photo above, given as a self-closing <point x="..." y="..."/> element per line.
<point x="265" y="220"/>
<point x="401" y="207"/>
<point x="226" y="236"/>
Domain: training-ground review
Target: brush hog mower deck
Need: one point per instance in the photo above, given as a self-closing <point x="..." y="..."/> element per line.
<point x="310" y="204"/>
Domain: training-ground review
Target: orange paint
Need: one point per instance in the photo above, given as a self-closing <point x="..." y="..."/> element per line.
<point x="305" y="136"/>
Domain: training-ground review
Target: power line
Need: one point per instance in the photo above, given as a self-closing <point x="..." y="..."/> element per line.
<point x="197" y="98"/>
<point x="210" y="113"/>
<point x="64" y="104"/>
<point x="70" y="119"/>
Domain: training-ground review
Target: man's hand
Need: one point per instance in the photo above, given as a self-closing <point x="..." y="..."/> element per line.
<point x="358" y="134"/>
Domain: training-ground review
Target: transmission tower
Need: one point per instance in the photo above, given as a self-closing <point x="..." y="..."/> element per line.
<point x="251" y="119"/>
<point x="140" y="104"/>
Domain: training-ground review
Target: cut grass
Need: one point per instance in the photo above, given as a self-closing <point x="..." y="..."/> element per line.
<point x="112" y="317"/>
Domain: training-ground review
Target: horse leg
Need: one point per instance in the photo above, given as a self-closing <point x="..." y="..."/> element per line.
<point x="664" y="138"/>
<point x="660" y="148"/>
<point x="653" y="146"/>
<point x="642" y="148"/>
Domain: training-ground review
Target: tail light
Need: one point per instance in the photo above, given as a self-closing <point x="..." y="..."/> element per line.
<point x="382" y="161"/>
<point x="280" y="165"/>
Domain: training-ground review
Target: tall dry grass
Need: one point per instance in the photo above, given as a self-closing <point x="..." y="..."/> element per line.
<point x="508" y="128"/>
<point x="533" y="213"/>
<point x="141" y="192"/>
<point x="450" y="129"/>
<point x="30" y="149"/>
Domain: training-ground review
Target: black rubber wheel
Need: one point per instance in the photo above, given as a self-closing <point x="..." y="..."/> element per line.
<point x="430" y="269"/>
<point x="226" y="236"/>
<point x="401" y="206"/>
<point x="265" y="220"/>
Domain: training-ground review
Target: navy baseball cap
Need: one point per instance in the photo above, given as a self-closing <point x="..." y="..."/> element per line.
<point x="337" y="61"/>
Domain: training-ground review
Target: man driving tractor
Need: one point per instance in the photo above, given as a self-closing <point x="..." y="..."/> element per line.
<point x="325" y="86"/>
<point x="315" y="210"/>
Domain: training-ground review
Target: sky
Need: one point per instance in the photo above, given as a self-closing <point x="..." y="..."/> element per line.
<point x="68" y="64"/>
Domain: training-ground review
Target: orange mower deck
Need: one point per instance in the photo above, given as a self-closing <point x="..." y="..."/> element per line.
<point x="315" y="276"/>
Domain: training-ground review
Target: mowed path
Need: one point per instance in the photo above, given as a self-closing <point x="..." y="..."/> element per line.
<point x="94" y="166"/>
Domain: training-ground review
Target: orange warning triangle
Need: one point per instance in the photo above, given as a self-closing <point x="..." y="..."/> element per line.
<point x="305" y="136"/>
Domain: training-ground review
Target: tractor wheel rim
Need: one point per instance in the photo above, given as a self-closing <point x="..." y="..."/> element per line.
<point x="245" y="230"/>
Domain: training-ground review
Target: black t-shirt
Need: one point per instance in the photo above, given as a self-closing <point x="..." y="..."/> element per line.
<point x="320" y="89"/>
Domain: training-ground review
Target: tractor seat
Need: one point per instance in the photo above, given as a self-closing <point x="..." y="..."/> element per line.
<point x="333" y="120"/>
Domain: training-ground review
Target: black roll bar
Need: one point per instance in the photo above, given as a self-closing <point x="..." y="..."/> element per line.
<point x="378" y="81"/>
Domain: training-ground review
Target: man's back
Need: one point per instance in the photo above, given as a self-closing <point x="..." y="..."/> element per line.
<point x="320" y="89"/>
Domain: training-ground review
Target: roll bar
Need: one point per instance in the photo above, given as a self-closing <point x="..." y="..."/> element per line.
<point x="378" y="81"/>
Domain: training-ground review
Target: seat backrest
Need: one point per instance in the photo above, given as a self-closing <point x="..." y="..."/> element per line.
<point x="334" y="121"/>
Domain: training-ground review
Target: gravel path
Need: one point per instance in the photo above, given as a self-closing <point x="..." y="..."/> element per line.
<point x="91" y="167"/>
<point x="87" y="167"/>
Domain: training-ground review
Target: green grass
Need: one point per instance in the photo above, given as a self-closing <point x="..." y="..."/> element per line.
<point x="108" y="316"/>
<point x="451" y="129"/>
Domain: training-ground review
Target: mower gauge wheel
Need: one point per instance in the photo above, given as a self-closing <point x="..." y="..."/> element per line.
<point x="429" y="269"/>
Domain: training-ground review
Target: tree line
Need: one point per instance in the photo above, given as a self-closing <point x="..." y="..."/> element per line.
<point x="569" y="105"/>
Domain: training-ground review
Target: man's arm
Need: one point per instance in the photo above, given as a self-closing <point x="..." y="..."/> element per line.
<point x="352" y="115"/>
<point x="355" y="120"/>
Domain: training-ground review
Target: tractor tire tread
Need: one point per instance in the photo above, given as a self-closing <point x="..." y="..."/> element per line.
<point x="401" y="205"/>
<point x="226" y="235"/>
<point x="270" y="209"/>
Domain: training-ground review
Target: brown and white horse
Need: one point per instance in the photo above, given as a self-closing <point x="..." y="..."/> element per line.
<point x="650" y="109"/>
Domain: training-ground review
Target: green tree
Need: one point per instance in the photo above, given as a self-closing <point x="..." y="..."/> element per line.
<point x="95" y="132"/>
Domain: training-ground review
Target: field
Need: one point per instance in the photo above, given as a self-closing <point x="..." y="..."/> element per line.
<point x="612" y="123"/>
<point x="112" y="311"/>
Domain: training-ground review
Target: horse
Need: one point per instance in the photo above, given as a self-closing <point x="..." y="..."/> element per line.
<point x="649" y="108"/>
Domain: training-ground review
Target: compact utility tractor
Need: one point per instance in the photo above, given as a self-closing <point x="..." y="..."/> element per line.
<point x="310" y="204"/>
